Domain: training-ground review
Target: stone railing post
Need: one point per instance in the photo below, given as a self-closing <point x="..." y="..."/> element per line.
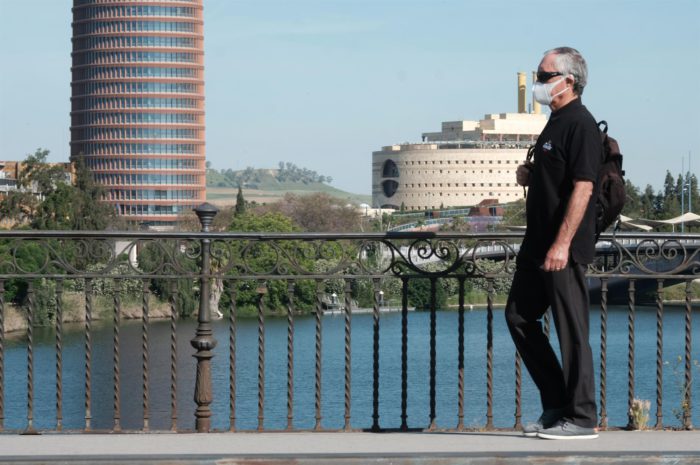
<point x="204" y="341"/>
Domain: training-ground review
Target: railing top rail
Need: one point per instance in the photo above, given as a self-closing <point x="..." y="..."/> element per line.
<point x="31" y="234"/>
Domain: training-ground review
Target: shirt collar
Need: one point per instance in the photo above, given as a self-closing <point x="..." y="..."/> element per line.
<point x="572" y="105"/>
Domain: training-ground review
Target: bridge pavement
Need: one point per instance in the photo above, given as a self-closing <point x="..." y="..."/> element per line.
<point x="355" y="448"/>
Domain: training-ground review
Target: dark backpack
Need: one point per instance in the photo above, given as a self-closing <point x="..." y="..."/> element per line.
<point x="611" y="183"/>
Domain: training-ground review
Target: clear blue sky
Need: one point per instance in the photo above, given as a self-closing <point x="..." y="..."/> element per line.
<point x="323" y="83"/>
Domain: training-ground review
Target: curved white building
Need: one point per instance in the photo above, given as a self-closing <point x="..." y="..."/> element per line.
<point x="465" y="163"/>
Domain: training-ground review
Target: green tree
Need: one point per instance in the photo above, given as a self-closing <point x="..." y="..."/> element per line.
<point x="419" y="294"/>
<point x="36" y="170"/>
<point x="318" y="212"/>
<point x="633" y="201"/>
<point x="648" y="203"/>
<point x="670" y="202"/>
<point x="79" y="207"/>
<point x="154" y="256"/>
<point x="240" y="203"/>
<point x="54" y="203"/>
<point x="36" y="180"/>
<point x="694" y="194"/>
<point x="265" y="257"/>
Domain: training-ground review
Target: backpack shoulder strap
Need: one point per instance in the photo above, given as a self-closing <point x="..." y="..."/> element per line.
<point x="603" y="126"/>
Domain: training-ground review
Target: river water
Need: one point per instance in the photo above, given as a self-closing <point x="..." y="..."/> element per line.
<point x="333" y="372"/>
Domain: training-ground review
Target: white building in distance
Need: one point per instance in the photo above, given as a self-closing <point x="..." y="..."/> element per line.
<point x="465" y="163"/>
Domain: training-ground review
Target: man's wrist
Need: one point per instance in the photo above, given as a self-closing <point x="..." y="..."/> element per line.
<point x="561" y="244"/>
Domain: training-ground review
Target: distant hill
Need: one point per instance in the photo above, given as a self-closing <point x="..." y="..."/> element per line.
<point x="270" y="185"/>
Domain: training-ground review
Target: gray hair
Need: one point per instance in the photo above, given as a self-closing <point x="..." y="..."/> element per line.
<point x="569" y="61"/>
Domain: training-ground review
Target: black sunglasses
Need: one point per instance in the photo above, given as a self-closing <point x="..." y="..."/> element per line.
<point x="544" y="76"/>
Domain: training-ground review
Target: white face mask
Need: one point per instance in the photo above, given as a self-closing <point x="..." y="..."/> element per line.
<point x="542" y="92"/>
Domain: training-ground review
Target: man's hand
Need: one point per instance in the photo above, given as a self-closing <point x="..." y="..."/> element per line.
<point x="557" y="257"/>
<point x="522" y="174"/>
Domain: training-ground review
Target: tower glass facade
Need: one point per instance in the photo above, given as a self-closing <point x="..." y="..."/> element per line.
<point x="137" y="104"/>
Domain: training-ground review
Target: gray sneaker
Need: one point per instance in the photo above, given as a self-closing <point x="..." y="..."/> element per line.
<point x="566" y="430"/>
<point x="546" y="420"/>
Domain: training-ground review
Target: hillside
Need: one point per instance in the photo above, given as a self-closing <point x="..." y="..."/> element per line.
<point x="265" y="186"/>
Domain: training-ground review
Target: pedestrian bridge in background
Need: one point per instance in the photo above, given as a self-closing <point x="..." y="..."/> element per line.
<point x="264" y="265"/>
<point x="617" y="258"/>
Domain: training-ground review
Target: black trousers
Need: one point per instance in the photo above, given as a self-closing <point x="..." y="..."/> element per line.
<point x="569" y="385"/>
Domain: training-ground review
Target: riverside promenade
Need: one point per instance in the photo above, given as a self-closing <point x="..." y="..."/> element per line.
<point x="350" y="448"/>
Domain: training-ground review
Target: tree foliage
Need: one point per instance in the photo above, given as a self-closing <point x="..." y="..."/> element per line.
<point x="678" y="193"/>
<point x="317" y="212"/>
<point x="47" y="200"/>
<point x="240" y="203"/>
<point x="153" y="256"/>
<point x="419" y="294"/>
<point x="289" y="172"/>
<point x="263" y="257"/>
<point x="249" y="177"/>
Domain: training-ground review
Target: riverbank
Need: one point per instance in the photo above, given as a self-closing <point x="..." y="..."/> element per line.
<point x="73" y="305"/>
<point x="15" y="321"/>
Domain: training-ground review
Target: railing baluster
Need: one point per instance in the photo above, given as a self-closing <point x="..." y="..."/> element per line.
<point x="317" y="384"/>
<point x="518" y="391"/>
<point x="460" y="356"/>
<point x="88" y="354"/>
<point x="233" y="287"/>
<point x="261" y="357"/>
<point x="688" y="398"/>
<point x="375" y="355"/>
<point x="59" y="354"/>
<point x="116" y="362"/>
<point x="30" y="358"/>
<point x="144" y="354"/>
<point x="630" y="350"/>
<point x="659" y="352"/>
<point x="603" y="352"/>
<point x="2" y="355"/>
<point x="348" y="361"/>
<point x="290" y="355"/>
<point x="433" y="353"/>
<point x="489" y="355"/>
<point x="173" y="354"/>
<point x="404" y="353"/>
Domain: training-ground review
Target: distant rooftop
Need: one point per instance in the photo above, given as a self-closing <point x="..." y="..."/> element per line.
<point x="495" y="127"/>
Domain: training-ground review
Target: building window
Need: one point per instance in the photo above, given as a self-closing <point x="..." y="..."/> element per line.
<point x="389" y="187"/>
<point x="390" y="169"/>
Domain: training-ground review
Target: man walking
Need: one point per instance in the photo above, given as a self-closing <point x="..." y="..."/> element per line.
<point x="558" y="244"/>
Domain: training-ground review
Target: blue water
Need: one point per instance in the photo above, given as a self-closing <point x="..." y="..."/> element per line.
<point x="275" y="409"/>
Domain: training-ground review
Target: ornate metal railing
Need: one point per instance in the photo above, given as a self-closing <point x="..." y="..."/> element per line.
<point x="324" y="265"/>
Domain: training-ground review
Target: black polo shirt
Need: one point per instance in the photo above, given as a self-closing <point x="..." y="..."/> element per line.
<point x="569" y="148"/>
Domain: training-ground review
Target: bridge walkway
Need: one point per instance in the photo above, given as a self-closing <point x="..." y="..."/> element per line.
<point x="352" y="448"/>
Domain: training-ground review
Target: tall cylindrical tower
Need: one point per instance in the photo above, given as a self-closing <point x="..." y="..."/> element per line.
<point x="137" y="105"/>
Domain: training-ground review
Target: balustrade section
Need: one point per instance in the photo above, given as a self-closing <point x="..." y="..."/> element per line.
<point x="316" y="331"/>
